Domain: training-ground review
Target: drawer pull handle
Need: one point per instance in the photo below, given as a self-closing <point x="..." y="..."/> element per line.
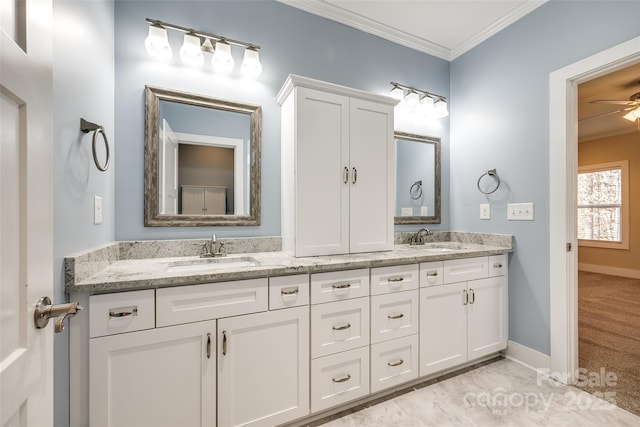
<point x="397" y="279"/>
<point x="208" y="346"/>
<point x="396" y="363"/>
<point x="396" y="316"/>
<point x="224" y="343"/>
<point x="432" y="273"/>
<point x="342" y="286"/>
<point x="497" y="265"/>
<point x="341" y="328"/>
<point x="465" y="297"/>
<point x="123" y="312"/>
<point x="473" y="296"/>
<point x="342" y="379"/>
<point x="346" y="175"/>
<point x="290" y="291"/>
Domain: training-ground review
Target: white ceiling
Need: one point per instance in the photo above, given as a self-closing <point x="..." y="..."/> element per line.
<point x="442" y="28"/>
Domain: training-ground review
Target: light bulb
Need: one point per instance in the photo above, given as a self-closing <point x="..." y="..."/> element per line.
<point x="190" y="52"/>
<point x="157" y="42"/>
<point x="412" y="99"/>
<point x="222" y="60"/>
<point x="427" y="103"/>
<point x="251" y="66"/>
<point x="397" y="93"/>
<point x="440" y="108"/>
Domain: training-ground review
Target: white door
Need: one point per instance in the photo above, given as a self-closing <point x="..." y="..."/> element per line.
<point x="26" y="206"/>
<point x="263" y="368"/>
<point x="322" y="169"/>
<point x="443" y="327"/>
<point x="168" y="169"/>
<point x="372" y="176"/>
<point x="487" y="316"/>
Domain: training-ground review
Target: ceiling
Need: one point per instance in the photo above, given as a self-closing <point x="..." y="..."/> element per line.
<point x="449" y="28"/>
<point x="442" y="28"/>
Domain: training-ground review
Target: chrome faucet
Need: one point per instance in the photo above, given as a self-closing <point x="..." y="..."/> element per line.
<point x="419" y="237"/>
<point x="213" y="248"/>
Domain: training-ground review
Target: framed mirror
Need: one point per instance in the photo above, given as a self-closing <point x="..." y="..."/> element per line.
<point x="417" y="179"/>
<point x="202" y="160"/>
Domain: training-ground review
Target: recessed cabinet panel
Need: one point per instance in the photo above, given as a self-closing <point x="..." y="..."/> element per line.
<point x="339" y="285"/>
<point x="394" y="315"/>
<point x="461" y="270"/>
<point x="339" y="326"/>
<point x="497" y="265"/>
<point x="394" y="279"/>
<point x="339" y="378"/>
<point x="288" y="291"/>
<point x="121" y="312"/>
<point x="431" y="273"/>
<point x="394" y="362"/>
<point x="487" y="312"/>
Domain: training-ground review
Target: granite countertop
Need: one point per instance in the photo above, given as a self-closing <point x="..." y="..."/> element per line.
<point x="150" y="273"/>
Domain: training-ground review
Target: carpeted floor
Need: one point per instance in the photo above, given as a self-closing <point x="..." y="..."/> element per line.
<point x="609" y="338"/>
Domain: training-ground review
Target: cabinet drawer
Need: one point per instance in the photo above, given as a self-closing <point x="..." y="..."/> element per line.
<point x="394" y="315"/>
<point x="339" y="326"/>
<point x="339" y="285"/>
<point x="497" y="265"/>
<point x="186" y="304"/>
<point x="385" y="280"/>
<point x="339" y="378"/>
<point x="288" y="291"/>
<point x="431" y="273"/>
<point x="121" y="312"/>
<point x="394" y="362"/>
<point x="461" y="270"/>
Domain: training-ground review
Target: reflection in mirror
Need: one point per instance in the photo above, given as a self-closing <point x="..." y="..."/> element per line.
<point x="201" y="160"/>
<point x="417" y="179"/>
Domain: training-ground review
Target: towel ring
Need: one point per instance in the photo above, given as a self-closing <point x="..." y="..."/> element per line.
<point x="493" y="174"/>
<point x="417" y="184"/>
<point x="87" y="127"/>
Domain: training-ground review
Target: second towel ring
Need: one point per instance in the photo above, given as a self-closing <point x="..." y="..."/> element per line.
<point x="417" y="184"/>
<point x="491" y="173"/>
<point x="87" y="127"/>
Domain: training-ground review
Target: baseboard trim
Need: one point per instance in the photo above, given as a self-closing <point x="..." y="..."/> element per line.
<point x="528" y="357"/>
<point x="612" y="271"/>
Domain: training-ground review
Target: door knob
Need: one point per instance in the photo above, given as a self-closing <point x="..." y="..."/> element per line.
<point x="45" y="311"/>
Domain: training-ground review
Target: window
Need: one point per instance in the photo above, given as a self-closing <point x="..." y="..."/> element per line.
<point x="603" y="210"/>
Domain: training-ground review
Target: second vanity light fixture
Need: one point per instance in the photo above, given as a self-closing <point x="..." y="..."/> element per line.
<point x="195" y="43"/>
<point x="435" y="105"/>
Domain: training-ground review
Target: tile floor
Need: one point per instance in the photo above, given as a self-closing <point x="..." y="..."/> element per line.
<point x="503" y="393"/>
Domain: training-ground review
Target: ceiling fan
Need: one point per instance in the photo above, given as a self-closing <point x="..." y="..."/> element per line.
<point x="633" y="107"/>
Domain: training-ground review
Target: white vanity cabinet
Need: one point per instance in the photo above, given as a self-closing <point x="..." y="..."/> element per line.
<point x="338" y="169"/>
<point x="462" y="320"/>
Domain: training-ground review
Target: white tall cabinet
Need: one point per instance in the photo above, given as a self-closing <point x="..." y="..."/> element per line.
<point x="338" y="169"/>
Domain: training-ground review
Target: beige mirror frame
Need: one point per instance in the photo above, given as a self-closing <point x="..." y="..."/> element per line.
<point x="435" y="218"/>
<point x="152" y="215"/>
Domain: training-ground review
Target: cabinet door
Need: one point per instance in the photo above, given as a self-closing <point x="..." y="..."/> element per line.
<point x="263" y="368"/>
<point x="321" y="190"/>
<point x="215" y="200"/>
<point x="158" y="377"/>
<point x="488" y="316"/>
<point x="443" y="327"/>
<point x="372" y="192"/>
<point x="192" y="200"/>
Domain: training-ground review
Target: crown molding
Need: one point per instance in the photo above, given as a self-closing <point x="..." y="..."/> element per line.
<point x="338" y="14"/>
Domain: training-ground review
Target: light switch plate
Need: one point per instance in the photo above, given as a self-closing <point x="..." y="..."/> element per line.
<point x="97" y="210"/>
<point x="520" y="212"/>
<point x="485" y="211"/>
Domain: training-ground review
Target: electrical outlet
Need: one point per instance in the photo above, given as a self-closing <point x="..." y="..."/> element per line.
<point x="485" y="211"/>
<point x="424" y="211"/>
<point x="520" y="212"/>
<point x="97" y="210"/>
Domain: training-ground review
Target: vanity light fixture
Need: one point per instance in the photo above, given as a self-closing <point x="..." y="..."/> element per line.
<point x="633" y="115"/>
<point x="432" y="104"/>
<point x="192" y="51"/>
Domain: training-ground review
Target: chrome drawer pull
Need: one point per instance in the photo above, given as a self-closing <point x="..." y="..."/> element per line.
<point x="341" y="328"/>
<point x="497" y="265"/>
<point x="290" y="291"/>
<point x="123" y="311"/>
<point x="465" y="297"/>
<point x="341" y="380"/>
<point x="224" y="343"/>
<point x="432" y="273"/>
<point x="396" y="316"/>
<point x="346" y="175"/>
<point x="208" y="346"/>
<point x="342" y="286"/>
<point x="473" y="296"/>
<point x="396" y="363"/>
<point x="397" y="279"/>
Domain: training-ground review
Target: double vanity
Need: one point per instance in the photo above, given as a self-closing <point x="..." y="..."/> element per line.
<point x="264" y="338"/>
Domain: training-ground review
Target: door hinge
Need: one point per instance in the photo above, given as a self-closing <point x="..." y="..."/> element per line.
<point x="568" y="247"/>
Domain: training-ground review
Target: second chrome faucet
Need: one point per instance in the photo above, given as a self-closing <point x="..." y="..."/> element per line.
<point x="213" y="248"/>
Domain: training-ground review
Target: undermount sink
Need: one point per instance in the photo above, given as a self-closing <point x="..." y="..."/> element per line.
<point x="441" y="247"/>
<point x="211" y="263"/>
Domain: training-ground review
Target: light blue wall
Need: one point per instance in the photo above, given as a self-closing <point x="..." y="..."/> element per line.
<point x="292" y="42"/>
<point x="500" y="119"/>
<point x="83" y="86"/>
